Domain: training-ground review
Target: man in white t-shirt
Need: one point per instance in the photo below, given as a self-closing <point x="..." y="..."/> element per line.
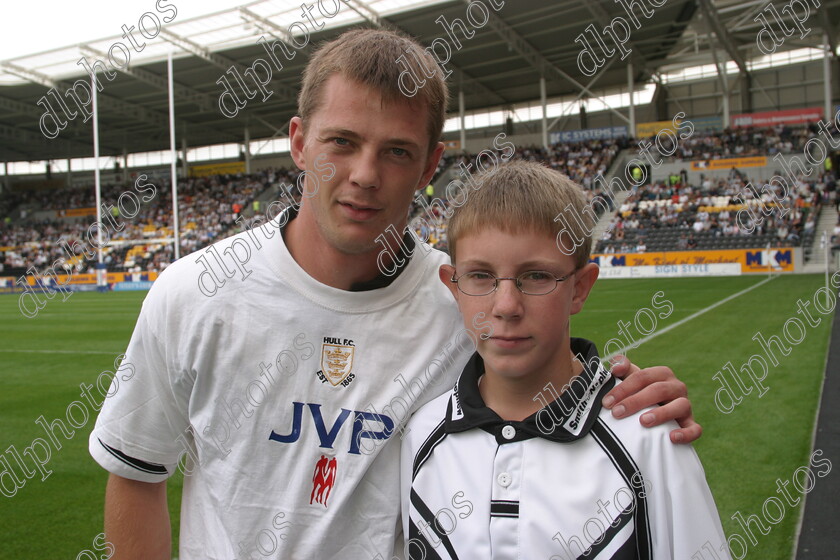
<point x="278" y="363"/>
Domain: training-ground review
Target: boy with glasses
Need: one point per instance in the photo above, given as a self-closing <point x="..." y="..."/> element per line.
<point x="488" y="471"/>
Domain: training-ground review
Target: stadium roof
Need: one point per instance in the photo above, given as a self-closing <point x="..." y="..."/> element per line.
<point x="500" y="65"/>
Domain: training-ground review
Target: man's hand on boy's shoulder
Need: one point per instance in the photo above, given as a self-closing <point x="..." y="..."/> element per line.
<point x="652" y="386"/>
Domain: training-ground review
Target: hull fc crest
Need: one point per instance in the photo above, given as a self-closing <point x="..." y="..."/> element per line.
<point x="337" y="361"/>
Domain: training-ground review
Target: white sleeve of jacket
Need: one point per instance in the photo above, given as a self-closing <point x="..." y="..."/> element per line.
<point x="684" y="520"/>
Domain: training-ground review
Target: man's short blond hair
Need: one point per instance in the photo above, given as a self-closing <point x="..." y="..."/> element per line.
<point x="526" y="196"/>
<point x="369" y="56"/>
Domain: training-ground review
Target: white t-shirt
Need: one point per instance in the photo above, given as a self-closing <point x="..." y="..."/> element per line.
<point x="568" y="482"/>
<point x="283" y="392"/>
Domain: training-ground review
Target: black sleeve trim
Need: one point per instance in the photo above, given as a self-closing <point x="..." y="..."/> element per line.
<point x="425" y="513"/>
<point x="628" y="469"/>
<point x="428" y="446"/>
<point x="151" y="468"/>
<point x="627" y="550"/>
<point x="427" y="551"/>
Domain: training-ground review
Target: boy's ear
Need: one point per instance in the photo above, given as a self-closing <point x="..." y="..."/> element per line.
<point x="585" y="279"/>
<point x="446" y="272"/>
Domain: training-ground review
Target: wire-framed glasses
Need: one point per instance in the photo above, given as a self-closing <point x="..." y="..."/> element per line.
<point x="532" y="282"/>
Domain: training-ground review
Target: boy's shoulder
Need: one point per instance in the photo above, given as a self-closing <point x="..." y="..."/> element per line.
<point x="646" y="444"/>
<point x="427" y="419"/>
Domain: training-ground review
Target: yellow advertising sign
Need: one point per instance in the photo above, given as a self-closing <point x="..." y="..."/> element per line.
<point x="643" y="130"/>
<point x="751" y="260"/>
<point x="113" y="278"/>
<point x="729" y="163"/>
<point x="452" y="144"/>
<point x="78" y="212"/>
<point x="228" y="168"/>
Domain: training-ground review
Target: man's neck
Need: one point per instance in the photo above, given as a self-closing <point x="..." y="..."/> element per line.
<point x="325" y="263"/>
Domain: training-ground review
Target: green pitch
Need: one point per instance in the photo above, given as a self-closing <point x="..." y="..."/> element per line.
<point x="744" y="452"/>
<point x="763" y="438"/>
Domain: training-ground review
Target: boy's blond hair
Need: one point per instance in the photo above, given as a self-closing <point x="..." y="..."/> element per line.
<point x="369" y="56"/>
<point x="522" y="195"/>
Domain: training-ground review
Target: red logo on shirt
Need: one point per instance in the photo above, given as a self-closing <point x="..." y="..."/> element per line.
<point x="323" y="480"/>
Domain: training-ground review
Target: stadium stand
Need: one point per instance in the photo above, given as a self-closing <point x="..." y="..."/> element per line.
<point x="743" y="142"/>
<point x="209" y="207"/>
<point x="674" y="215"/>
<point x="662" y="216"/>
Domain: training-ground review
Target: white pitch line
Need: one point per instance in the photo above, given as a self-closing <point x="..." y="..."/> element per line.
<point x="687" y="319"/>
<point x="24" y="351"/>
<point x="620" y="351"/>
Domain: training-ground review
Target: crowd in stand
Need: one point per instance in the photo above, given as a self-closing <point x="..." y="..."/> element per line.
<point x="208" y="209"/>
<point x="781" y="214"/>
<point x="744" y="142"/>
<point x="706" y="214"/>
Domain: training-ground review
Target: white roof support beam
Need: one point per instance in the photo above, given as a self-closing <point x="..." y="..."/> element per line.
<point x="603" y="20"/>
<point x="131" y="110"/>
<point x="29" y="75"/>
<point x="20" y="137"/>
<point x="36" y="111"/>
<point x="368" y="13"/>
<point x="205" y="54"/>
<point x="535" y="58"/>
<point x="828" y="28"/>
<point x="723" y="36"/>
<point x="202" y="100"/>
<point x="220" y="61"/>
<point x="564" y="116"/>
<point x="265" y="25"/>
<point x="16" y="107"/>
<point x="277" y="131"/>
<point x="747" y="19"/>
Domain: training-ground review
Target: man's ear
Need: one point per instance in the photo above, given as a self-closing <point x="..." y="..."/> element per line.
<point x="446" y="272"/>
<point x="584" y="280"/>
<point x="297" y="141"/>
<point x="431" y="165"/>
